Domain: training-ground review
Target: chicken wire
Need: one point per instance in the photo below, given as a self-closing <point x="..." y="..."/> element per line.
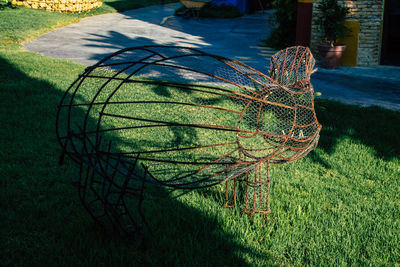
<point x="147" y="120"/>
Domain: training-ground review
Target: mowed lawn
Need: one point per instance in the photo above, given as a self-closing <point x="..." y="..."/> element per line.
<point x="340" y="205"/>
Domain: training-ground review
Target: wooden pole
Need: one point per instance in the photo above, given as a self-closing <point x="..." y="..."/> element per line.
<point x="304" y="19"/>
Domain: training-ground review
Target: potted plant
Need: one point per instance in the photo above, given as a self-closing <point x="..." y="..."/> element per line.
<point x="331" y="22"/>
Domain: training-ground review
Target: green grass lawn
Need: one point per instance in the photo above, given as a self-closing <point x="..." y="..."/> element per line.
<point x="340" y="205"/>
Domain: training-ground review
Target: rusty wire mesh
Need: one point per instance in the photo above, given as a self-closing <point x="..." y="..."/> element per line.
<point x="148" y="119"/>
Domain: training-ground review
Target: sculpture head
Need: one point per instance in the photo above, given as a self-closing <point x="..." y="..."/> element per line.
<point x="286" y="121"/>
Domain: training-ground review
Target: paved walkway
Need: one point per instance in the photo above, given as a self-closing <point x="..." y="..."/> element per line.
<point x="95" y="37"/>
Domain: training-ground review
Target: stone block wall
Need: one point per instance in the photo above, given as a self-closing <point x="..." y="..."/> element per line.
<point x="60" y="5"/>
<point x="370" y="15"/>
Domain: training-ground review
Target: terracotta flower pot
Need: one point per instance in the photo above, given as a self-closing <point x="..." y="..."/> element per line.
<point x="330" y="55"/>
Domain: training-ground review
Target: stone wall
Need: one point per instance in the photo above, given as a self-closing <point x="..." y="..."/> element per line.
<point x="60" y="5"/>
<point x="370" y="15"/>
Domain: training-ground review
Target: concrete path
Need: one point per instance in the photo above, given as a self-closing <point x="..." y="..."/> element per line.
<point x="96" y="37"/>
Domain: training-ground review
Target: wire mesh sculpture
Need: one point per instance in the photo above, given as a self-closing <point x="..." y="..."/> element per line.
<point x="147" y="119"/>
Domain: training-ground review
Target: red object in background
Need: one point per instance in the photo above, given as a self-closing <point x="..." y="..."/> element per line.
<point x="303" y="25"/>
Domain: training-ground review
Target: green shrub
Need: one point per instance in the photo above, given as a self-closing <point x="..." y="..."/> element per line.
<point x="4" y="3"/>
<point x="284" y="22"/>
<point x="212" y="11"/>
<point x="222" y="11"/>
<point x="331" y="20"/>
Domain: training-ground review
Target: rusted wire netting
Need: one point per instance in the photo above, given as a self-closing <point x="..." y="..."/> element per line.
<point x="146" y="120"/>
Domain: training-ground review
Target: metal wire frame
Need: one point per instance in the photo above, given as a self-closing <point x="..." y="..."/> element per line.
<point x="114" y="182"/>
